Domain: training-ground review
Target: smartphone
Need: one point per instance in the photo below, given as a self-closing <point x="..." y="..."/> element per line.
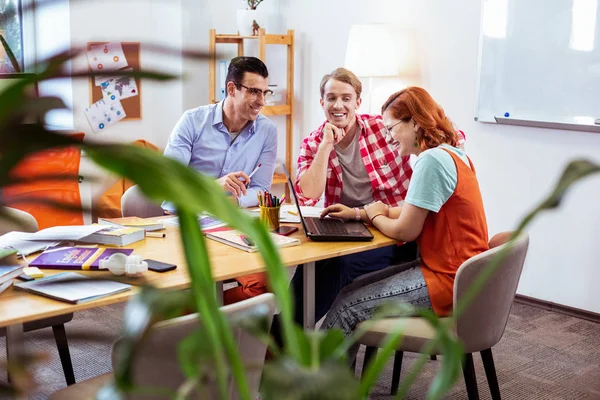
<point x="158" y="266"/>
<point x="285" y="230"/>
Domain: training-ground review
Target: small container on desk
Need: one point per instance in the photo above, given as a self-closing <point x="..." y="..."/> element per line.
<point x="270" y="216"/>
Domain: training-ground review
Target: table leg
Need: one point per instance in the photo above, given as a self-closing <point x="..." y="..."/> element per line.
<point x="15" y="346"/>
<point x="219" y="292"/>
<point x="309" y="295"/>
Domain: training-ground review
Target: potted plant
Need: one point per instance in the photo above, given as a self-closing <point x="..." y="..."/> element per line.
<point x="307" y="355"/>
<point x="250" y="19"/>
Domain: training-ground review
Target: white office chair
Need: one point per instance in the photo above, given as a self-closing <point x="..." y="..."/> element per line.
<point x="479" y="328"/>
<point x="156" y="363"/>
<point x="135" y="204"/>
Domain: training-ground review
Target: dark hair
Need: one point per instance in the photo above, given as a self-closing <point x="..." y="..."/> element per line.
<point x="414" y="102"/>
<point x="342" y="75"/>
<point x="240" y="65"/>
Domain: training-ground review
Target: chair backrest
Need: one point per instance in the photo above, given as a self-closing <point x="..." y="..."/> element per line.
<point x="482" y="324"/>
<point x="27" y="223"/>
<point x="135" y="204"/>
<point x="156" y="364"/>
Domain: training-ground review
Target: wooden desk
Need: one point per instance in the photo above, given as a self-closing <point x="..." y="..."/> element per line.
<point x="18" y="307"/>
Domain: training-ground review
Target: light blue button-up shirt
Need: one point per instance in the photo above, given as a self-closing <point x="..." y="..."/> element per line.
<point x="201" y="140"/>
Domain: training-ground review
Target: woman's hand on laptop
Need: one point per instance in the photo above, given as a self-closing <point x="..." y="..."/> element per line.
<point x="339" y="211"/>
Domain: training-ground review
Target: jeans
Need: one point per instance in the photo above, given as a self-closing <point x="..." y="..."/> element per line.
<point x="333" y="274"/>
<point x="358" y="301"/>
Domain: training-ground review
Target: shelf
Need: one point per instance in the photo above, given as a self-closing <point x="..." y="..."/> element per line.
<point x="269" y="39"/>
<point x="286" y="110"/>
<point x="273" y="110"/>
<point x="279" y="179"/>
<point x="276" y="110"/>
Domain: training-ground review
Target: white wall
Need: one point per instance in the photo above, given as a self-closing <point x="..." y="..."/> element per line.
<point x="148" y="22"/>
<point x="516" y="165"/>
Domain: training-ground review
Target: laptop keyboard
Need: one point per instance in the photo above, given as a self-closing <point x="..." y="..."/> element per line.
<point x="329" y="226"/>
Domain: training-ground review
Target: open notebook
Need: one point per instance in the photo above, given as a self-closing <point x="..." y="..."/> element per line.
<point x="234" y="238"/>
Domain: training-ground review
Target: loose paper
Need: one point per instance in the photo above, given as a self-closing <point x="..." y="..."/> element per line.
<point x="103" y="114"/>
<point x="106" y="57"/>
<point x="119" y="87"/>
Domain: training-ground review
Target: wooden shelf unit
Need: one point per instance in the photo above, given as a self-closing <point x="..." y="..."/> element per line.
<point x="286" y="109"/>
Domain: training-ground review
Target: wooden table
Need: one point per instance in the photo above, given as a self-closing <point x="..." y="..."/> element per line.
<point x="18" y="307"/>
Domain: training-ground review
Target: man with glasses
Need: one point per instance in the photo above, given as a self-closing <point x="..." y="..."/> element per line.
<point x="351" y="160"/>
<point x="227" y="141"/>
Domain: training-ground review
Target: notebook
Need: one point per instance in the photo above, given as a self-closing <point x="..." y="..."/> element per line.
<point x="134" y="222"/>
<point x="72" y="287"/>
<point x="330" y="229"/>
<point x="115" y="235"/>
<point x="75" y="257"/>
<point x="234" y="239"/>
<point x="9" y="272"/>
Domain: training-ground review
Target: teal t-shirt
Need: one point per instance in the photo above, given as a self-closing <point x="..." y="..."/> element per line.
<point x="434" y="178"/>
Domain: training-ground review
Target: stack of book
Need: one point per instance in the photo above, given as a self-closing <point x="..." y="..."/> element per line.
<point x="7" y="274"/>
<point x="115" y="235"/>
<point x="133" y="222"/>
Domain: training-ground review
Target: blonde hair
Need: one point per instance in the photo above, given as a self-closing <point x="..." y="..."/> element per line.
<point x="342" y="75"/>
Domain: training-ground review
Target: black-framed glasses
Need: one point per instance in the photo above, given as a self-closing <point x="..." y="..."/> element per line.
<point x="388" y="129"/>
<point x="255" y="92"/>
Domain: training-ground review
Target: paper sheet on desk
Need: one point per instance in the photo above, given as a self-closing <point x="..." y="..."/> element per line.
<point x="206" y="222"/>
<point x="70" y="232"/>
<point x="19" y="241"/>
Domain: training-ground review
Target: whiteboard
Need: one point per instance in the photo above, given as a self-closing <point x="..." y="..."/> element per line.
<point x="540" y="62"/>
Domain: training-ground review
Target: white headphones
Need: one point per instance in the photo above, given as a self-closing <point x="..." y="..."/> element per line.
<point x="119" y="264"/>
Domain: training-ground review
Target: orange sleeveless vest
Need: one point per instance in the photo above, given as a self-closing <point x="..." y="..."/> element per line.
<point x="451" y="236"/>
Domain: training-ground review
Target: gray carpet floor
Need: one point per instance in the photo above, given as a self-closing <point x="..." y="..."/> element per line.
<point x="543" y="355"/>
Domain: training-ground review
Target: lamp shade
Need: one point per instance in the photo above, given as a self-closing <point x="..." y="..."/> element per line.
<point x="380" y="50"/>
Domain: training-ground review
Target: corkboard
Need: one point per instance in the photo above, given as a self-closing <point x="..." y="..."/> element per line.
<point x="131" y="105"/>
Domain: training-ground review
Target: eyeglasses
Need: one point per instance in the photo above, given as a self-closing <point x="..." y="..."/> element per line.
<point x="256" y="92"/>
<point x="388" y="129"/>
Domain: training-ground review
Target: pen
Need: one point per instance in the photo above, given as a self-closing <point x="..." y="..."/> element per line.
<point x="292" y="212"/>
<point x="255" y="169"/>
<point x="246" y="240"/>
<point x="156" y="235"/>
<point x="282" y="200"/>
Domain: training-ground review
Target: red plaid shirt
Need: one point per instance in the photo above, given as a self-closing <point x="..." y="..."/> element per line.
<point x="389" y="172"/>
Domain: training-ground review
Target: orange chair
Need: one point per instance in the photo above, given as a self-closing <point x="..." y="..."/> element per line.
<point x="109" y="205"/>
<point x="29" y="197"/>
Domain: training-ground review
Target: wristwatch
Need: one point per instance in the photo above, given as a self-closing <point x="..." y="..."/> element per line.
<point x="357" y="214"/>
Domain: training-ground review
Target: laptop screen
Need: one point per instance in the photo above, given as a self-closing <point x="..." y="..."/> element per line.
<point x="295" y="198"/>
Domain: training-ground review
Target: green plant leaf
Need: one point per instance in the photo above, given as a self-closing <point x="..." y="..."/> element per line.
<point x="285" y="379"/>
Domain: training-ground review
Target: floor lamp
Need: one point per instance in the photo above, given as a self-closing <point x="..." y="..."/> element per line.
<point x="379" y="50"/>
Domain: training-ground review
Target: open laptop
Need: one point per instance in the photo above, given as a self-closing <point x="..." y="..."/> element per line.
<point x="330" y="229"/>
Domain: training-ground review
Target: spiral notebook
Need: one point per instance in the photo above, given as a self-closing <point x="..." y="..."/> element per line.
<point x="234" y="239"/>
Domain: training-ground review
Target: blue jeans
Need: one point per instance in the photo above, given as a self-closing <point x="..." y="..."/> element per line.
<point x="333" y="274"/>
<point x="358" y="301"/>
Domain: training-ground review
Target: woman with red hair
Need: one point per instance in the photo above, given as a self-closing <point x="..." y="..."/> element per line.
<point x="443" y="211"/>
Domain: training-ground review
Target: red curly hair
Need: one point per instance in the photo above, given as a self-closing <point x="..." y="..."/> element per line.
<point x="416" y="103"/>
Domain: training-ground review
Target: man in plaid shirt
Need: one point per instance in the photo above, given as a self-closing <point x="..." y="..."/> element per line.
<point x="350" y="159"/>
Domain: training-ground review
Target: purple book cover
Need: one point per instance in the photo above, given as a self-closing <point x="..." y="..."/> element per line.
<point x="75" y="257"/>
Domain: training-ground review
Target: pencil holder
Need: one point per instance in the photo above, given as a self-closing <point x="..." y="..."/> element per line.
<point x="270" y="217"/>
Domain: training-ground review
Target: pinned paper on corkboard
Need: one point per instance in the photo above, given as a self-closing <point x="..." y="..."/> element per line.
<point x="108" y="56"/>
